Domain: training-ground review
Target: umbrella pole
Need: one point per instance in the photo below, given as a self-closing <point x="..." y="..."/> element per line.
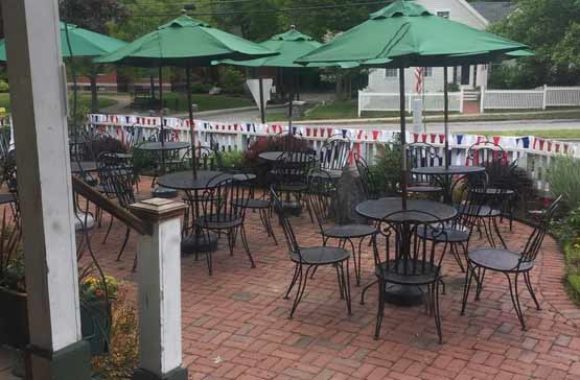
<point x="403" y="137"/>
<point x="290" y="111"/>
<point x="161" y="118"/>
<point x="262" y="110"/>
<point x="446" y="115"/>
<point x="191" y="123"/>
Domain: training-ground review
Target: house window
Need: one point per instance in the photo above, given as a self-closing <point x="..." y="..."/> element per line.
<point x="444" y="14"/>
<point x="391" y="73"/>
<point x="428" y="72"/>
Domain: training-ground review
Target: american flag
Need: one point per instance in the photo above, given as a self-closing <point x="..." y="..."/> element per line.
<point x="419" y="75"/>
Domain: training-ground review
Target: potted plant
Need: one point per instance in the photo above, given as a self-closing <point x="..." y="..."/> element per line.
<point x="96" y="296"/>
<point x="14" y="315"/>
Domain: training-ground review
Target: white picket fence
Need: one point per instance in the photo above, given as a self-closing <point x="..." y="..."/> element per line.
<point x="372" y="101"/>
<point x="534" y="99"/>
<point x="533" y="154"/>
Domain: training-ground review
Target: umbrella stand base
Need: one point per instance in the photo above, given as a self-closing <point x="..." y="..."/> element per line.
<point x="401" y="295"/>
<point x="199" y="243"/>
<point x="163" y="192"/>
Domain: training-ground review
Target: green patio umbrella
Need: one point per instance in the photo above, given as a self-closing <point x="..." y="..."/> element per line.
<point x="184" y="42"/>
<point x="84" y="43"/>
<point x="405" y="34"/>
<point x="290" y="46"/>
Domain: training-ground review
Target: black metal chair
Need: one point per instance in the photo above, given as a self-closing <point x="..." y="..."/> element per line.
<point x="367" y="179"/>
<point x="334" y="155"/>
<point x="408" y="260"/>
<point x="260" y="203"/>
<point x="116" y="182"/>
<point x="311" y="258"/>
<point x="290" y="177"/>
<point x="495" y="159"/>
<point x="510" y="263"/>
<point x="420" y="155"/>
<point x="223" y="206"/>
<point x="321" y="194"/>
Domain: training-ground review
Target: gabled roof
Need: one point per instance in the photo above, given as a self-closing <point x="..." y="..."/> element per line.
<point x="494" y="11"/>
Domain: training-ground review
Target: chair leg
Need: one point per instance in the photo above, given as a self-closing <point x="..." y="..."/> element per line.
<point x="531" y="289"/>
<point x="469" y="273"/>
<point x="268" y="224"/>
<point x="381" y="308"/>
<point x="437" y="311"/>
<point x="246" y="246"/>
<point x="514" y="294"/>
<point x="479" y="280"/>
<point x="336" y="266"/>
<point x="457" y="256"/>
<point x="108" y="230"/>
<point x="127" y="233"/>
<point x="356" y="261"/>
<point x="496" y="228"/>
<point x="294" y="278"/>
<point x="301" y="287"/>
<point x="134" y="268"/>
<point x="229" y="237"/>
<point x="209" y="260"/>
<point x="345" y="280"/>
<point x="362" y="294"/>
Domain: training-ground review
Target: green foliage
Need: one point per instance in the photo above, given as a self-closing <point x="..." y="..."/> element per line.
<point x="564" y="179"/>
<point x="510" y="176"/>
<point x="387" y="168"/>
<point x="11" y="257"/>
<point x="232" y="160"/>
<point x="232" y="80"/>
<point x="551" y="28"/>
<point x="108" y="144"/>
<point x="123" y="357"/>
<point x="92" y="288"/>
<point x="178" y="102"/>
<point x="4" y="87"/>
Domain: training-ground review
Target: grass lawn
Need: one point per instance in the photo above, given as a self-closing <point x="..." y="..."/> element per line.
<point x="178" y="102"/>
<point x="342" y="109"/>
<point x="84" y="101"/>
<point x="544" y="133"/>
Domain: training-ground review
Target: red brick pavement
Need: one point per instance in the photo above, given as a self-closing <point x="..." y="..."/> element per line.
<point x="236" y="326"/>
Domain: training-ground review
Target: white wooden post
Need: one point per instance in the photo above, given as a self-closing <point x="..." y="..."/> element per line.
<point x="359" y="104"/>
<point x="482" y="100"/>
<point x="545" y="99"/>
<point x="159" y="269"/>
<point x="36" y="76"/>
<point x="461" y="99"/>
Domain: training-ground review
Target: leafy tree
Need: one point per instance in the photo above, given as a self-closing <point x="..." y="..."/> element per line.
<point x="551" y="28"/>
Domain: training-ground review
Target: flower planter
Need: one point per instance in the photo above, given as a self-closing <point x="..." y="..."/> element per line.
<point x="95" y="325"/>
<point x="13" y="318"/>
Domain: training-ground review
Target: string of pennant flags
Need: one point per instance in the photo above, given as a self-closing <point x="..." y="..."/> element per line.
<point x="124" y="127"/>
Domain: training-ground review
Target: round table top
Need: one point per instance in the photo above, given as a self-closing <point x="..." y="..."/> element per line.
<point x="378" y="209"/>
<point x="205" y="178"/>
<point x="451" y="170"/>
<point x="83" y="166"/>
<point x="121" y="156"/>
<point x="170" y="145"/>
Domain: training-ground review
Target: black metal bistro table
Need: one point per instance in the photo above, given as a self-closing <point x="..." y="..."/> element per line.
<point x="160" y="149"/>
<point x="448" y="177"/>
<point x="391" y="209"/>
<point x="198" y="242"/>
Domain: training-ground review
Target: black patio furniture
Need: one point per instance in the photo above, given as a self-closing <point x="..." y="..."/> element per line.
<point x="409" y="260"/>
<point x="259" y="202"/>
<point x="308" y="259"/>
<point x="510" y="263"/>
<point x="448" y="178"/>
<point x="391" y="210"/>
<point x="334" y="155"/>
<point x="290" y="178"/>
<point x="367" y="180"/>
<point x="321" y="194"/>
<point x="223" y="205"/>
<point x="421" y="155"/>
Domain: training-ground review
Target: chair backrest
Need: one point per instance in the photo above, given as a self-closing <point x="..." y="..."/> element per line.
<point x="485" y="153"/>
<point x="226" y="198"/>
<point x="335" y="152"/>
<point x="117" y="181"/>
<point x="534" y="242"/>
<point x="320" y="194"/>
<point x="289" y="142"/>
<point x="420" y="155"/>
<point x="368" y="182"/>
<point x="293" y="167"/>
<point x="406" y="252"/>
<point x="289" y="235"/>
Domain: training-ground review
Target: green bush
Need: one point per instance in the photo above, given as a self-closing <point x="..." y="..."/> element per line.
<point x="4" y="87"/>
<point x="232" y="81"/>
<point x="564" y="178"/>
<point x="232" y="160"/>
<point x="510" y="176"/>
<point x="387" y="169"/>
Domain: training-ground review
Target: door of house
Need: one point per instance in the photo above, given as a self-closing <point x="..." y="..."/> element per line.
<point x="465" y="71"/>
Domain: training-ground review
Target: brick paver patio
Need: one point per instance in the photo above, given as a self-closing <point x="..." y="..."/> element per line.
<point x="236" y="326"/>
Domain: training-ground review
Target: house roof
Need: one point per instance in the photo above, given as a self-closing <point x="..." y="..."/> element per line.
<point x="494" y="11"/>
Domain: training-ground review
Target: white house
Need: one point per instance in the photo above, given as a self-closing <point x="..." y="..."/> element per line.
<point x="477" y="15"/>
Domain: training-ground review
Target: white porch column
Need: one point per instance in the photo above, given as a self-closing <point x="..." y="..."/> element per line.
<point x="35" y="73"/>
<point x="159" y="271"/>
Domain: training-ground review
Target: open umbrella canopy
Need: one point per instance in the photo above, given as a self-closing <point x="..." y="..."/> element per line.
<point x="290" y="46"/>
<point x="406" y="34"/>
<point x="84" y="43"/>
<point x="185" y="42"/>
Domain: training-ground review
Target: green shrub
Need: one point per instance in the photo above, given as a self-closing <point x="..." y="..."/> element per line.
<point x="4" y="87"/>
<point x="387" y="169"/>
<point x="232" y="160"/>
<point x="232" y="81"/>
<point x="510" y="176"/>
<point x="564" y="179"/>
